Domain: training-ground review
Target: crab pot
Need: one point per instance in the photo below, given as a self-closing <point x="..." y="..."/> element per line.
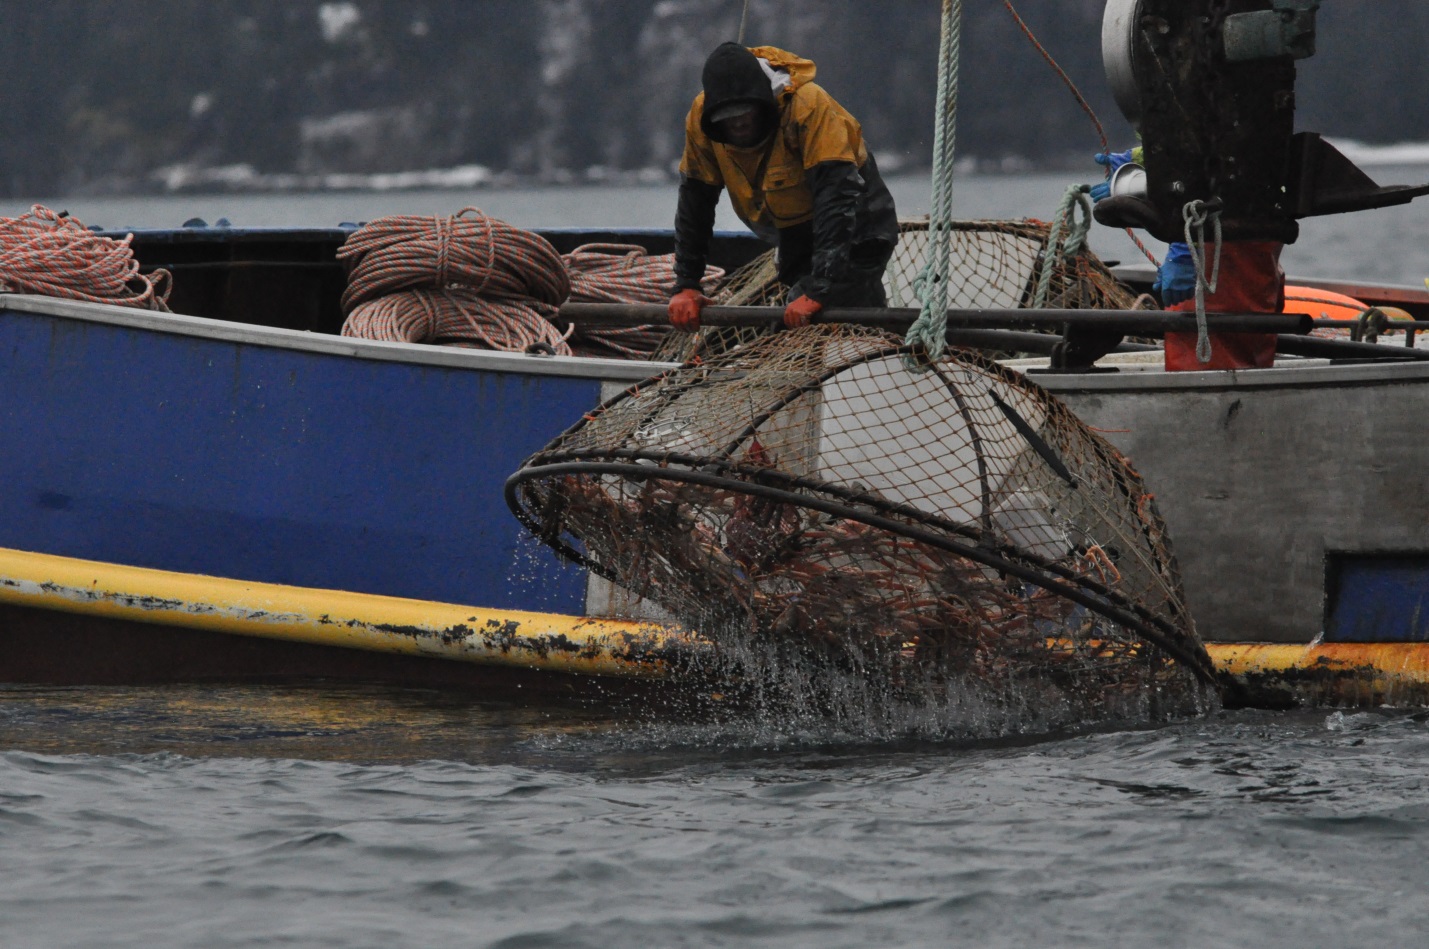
<point x="812" y="489"/>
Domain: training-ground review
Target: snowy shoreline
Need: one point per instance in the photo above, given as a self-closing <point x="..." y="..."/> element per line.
<point x="243" y="178"/>
<point x="240" y="179"/>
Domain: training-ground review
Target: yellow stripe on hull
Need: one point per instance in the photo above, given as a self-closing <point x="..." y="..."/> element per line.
<point x="1347" y="674"/>
<point x="1362" y="674"/>
<point x="550" y="642"/>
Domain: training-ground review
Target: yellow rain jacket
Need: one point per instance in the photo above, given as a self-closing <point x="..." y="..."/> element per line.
<point x="810" y="186"/>
<point x="766" y="183"/>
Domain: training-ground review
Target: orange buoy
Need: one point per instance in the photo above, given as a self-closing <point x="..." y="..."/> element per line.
<point x="1329" y="305"/>
<point x="1322" y="304"/>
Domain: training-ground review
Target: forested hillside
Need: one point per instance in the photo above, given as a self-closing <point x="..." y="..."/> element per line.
<point x="134" y="95"/>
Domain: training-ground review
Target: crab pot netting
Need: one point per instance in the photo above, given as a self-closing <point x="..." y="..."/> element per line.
<point x="810" y="489"/>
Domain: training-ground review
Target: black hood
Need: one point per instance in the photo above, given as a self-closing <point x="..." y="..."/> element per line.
<point x="733" y="74"/>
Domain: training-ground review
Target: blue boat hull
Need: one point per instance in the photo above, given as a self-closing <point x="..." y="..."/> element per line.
<point x="270" y="462"/>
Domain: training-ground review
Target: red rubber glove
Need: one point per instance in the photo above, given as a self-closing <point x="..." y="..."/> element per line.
<point x="800" y="311"/>
<point x="685" y="308"/>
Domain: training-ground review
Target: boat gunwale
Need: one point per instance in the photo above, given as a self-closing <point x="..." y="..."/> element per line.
<point x="178" y="324"/>
<point x="1382" y="293"/>
<point x="1318" y="374"/>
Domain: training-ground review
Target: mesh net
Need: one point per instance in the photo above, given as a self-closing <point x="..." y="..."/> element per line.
<point x="808" y="492"/>
<point x="996" y="264"/>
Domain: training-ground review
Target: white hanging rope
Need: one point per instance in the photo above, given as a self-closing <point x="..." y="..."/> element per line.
<point x="743" y="18"/>
<point x="929" y="331"/>
<point x="1196" y="217"/>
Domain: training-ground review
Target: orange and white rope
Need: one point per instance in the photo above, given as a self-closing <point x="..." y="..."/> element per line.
<point x="622" y="273"/>
<point x="455" y="316"/>
<point x="464" y="280"/>
<point x="471" y="280"/>
<point x="53" y="254"/>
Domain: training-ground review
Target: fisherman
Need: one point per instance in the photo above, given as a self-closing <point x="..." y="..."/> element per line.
<point x="798" y="174"/>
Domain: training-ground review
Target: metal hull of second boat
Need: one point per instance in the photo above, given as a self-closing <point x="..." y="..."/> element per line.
<point x="1297" y="497"/>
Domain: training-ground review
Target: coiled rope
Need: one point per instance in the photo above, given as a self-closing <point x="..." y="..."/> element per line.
<point x="472" y="280"/>
<point x="460" y="280"/>
<point x="1197" y="216"/>
<point x="53" y="254"/>
<point x="622" y="273"/>
<point x="1066" y="238"/>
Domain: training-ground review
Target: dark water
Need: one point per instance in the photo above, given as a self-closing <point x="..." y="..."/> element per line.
<point x="206" y="816"/>
<point x="214" y="817"/>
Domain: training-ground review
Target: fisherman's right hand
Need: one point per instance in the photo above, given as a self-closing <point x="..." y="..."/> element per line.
<point x="1112" y="161"/>
<point x="685" y="308"/>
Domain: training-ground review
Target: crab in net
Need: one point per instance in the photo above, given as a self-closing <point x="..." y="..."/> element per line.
<point x="809" y="490"/>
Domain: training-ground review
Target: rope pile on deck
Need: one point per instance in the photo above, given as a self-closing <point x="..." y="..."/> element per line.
<point x="472" y="280"/>
<point x="622" y="273"/>
<point x="50" y="253"/>
<point x="459" y="280"/>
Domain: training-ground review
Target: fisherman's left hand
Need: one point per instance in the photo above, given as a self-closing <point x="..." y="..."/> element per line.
<point x="800" y="311"/>
<point x="1176" y="280"/>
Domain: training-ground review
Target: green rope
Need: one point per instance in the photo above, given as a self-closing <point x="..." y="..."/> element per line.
<point x="1062" y="246"/>
<point x="929" y="332"/>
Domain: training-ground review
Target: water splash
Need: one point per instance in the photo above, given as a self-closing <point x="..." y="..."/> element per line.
<point x="758" y="694"/>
